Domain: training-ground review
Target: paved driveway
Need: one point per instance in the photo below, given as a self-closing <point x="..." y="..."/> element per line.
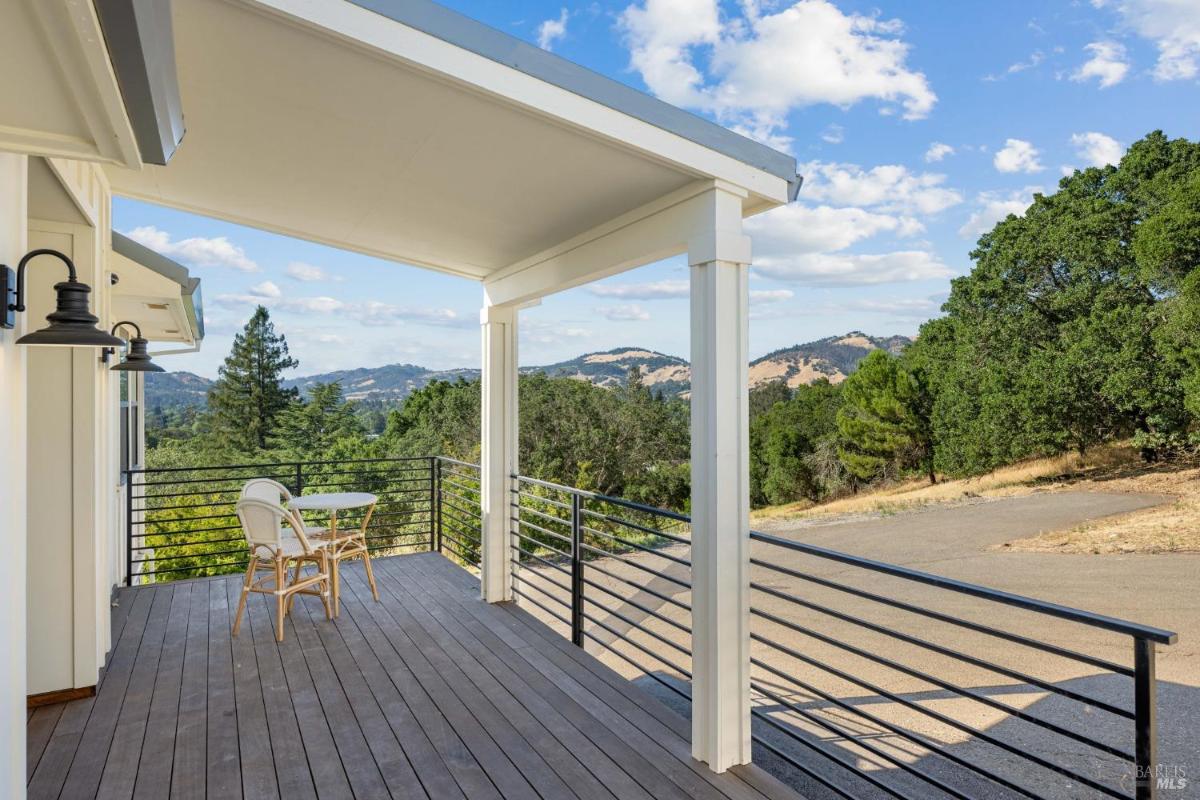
<point x="956" y="542"/>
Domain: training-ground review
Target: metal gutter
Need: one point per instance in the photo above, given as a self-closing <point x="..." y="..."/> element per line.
<point x="193" y="304"/>
<point x="141" y="47"/>
<point x="472" y="35"/>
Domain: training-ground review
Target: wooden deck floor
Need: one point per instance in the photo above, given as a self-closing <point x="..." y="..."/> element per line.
<point x="428" y="693"/>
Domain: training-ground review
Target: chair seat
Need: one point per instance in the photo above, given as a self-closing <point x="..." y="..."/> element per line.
<point x="291" y="546"/>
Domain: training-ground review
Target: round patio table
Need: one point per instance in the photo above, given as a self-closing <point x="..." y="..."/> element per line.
<point x="350" y="544"/>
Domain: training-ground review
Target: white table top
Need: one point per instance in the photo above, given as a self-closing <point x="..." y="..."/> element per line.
<point x="332" y="501"/>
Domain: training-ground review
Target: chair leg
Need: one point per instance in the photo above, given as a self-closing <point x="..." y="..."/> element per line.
<point x="294" y="580"/>
<point x="370" y="575"/>
<point x="237" y="621"/>
<point x="324" y="585"/>
<point x="335" y="586"/>
<point x="280" y="600"/>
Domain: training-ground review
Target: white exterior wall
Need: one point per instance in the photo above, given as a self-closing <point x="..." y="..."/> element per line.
<point x="13" y="180"/>
<point x="70" y="461"/>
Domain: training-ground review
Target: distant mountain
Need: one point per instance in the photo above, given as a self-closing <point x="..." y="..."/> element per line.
<point x="390" y="384"/>
<point x="168" y="389"/>
<point x="668" y="374"/>
<point x="833" y="358"/>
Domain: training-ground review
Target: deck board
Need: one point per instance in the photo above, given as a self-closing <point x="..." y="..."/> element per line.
<point x="429" y="693"/>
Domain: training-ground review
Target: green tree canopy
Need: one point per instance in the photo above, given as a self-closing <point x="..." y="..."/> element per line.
<point x="884" y="419"/>
<point x="309" y="430"/>
<point x="248" y="395"/>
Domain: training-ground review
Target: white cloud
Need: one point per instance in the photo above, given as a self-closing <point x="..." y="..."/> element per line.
<point x="657" y="290"/>
<point x="267" y="289"/>
<point x="903" y="307"/>
<point x="938" y="151"/>
<point x="551" y="30"/>
<point x="991" y="207"/>
<point x="1174" y="28"/>
<point x="833" y="134"/>
<point x="762" y="66"/>
<point x="196" y="251"/>
<point x="624" y="313"/>
<point x="301" y="271"/>
<point x="889" y="187"/>
<point x="854" y="269"/>
<point x="1017" y="155"/>
<point x="541" y="332"/>
<point x="798" y="228"/>
<point x="1097" y="149"/>
<point x="764" y="296"/>
<point x="1108" y="64"/>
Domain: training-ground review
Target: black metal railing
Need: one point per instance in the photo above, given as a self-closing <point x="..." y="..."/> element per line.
<point x="923" y="663"/>
<point x="607" y="571"/>
<point x="180" y="521"/>
<point x="868" y="679"/>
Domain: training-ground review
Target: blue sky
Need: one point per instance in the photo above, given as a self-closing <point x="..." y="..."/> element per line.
<point x="917" y="124"/>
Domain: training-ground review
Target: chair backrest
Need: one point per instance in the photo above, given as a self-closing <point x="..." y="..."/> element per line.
<point x="266" y="489"/>
<point x="262" y="523"/>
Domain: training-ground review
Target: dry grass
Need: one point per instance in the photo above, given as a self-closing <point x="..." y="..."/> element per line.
<point x="1018" y="479"/>
<point x="1173" y="527"/>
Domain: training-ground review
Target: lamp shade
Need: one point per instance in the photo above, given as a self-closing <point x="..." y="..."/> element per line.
<point x="72" y="324"/>
<point x="137" y="359"/>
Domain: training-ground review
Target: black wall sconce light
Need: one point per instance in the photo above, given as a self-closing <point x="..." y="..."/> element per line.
<point x="71" y="323"/>
<point x="137" y="359"/>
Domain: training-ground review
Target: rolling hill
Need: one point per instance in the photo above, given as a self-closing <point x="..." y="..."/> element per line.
<point x="833" y="358"/>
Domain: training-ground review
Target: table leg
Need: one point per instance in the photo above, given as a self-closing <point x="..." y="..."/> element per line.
<point x="334" y="579"/>
<point x="367" y="555"/>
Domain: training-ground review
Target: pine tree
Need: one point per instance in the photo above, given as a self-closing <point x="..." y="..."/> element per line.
<point x="248" y="395"/>
<point x="309" y="430"/>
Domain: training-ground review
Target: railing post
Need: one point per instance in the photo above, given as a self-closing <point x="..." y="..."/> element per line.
<point x="435" y="505"/>
<point x="128" y="527"/>
<point x="299" y="478"/>
<point x="1145" y="722"/>
<point x="576" y="573"/>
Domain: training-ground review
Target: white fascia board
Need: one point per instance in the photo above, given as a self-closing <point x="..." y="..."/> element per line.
<point x="71" y="30"/>
<point x="657" y="230"/>
<point x="457" y="269"/>
<point x="366" y="29"/>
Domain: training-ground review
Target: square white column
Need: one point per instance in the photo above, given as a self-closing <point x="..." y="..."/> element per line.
<point x="498" y="456"/>
<point x="720" y="491"/>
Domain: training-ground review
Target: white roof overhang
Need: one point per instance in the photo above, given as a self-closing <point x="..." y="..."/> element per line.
<point x="156" y="293"/>
<point x="408" y="132"/>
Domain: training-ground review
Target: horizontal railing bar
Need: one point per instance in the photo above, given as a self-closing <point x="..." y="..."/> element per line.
<point x="945" y="651"/>
<point x="460" y="554"/>
<point x="828" y="754"/>
<point x="238" y="564"/>
<point x="636" y="546"/>
<point x="667" y="598"/>
<point x="950" y="687"/>
<point x="549" y="611"/>
<point x="188" y="544"/>
<point x="656" y="656"/>
<point x="635" y="526"/>
<point x="190" y="555"/>
<point x="973" y="626"/>
<point x="470" y="513"/>
<point x="861" y="742"/>
<point x="154" y="509"/>
<point x="541" y="545"/>
<point x="520" y="575"/>
<point x="242" y="478"/>
<point x="936" y="715"/>
<point x="547" y="562"/>
<point x="449" y="460"/>
<point x="617" y="501"/>
<point x="464" y="531"/>
<point x="634" y="564"/>
<point x="390" y="459"/>
<point x="639" y="607"/>
<point x="932" y="713"/>
<point x="538" y="499"/>
<point x="467" y="542"/>
<point x="775" y="751"/>
<point x="1018" y="601"/>
<point x="548" y="517"/>
<point x="318" y="478"/>
<point x="541" y="530"/>
<point x="916" y="739"/>
<point x="461" y="487"/>
<point x="638" y="627"/>
<point x="607" y="646"/>
<point x="184" y="532"/>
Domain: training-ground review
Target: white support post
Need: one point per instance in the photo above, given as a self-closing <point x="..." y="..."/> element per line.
<point x="499" y="448"/>
<point x="719" y="259"/>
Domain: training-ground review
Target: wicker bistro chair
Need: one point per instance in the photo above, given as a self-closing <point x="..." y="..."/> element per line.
<point x="273" y="549"/>
<point x="268" y="489"/>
